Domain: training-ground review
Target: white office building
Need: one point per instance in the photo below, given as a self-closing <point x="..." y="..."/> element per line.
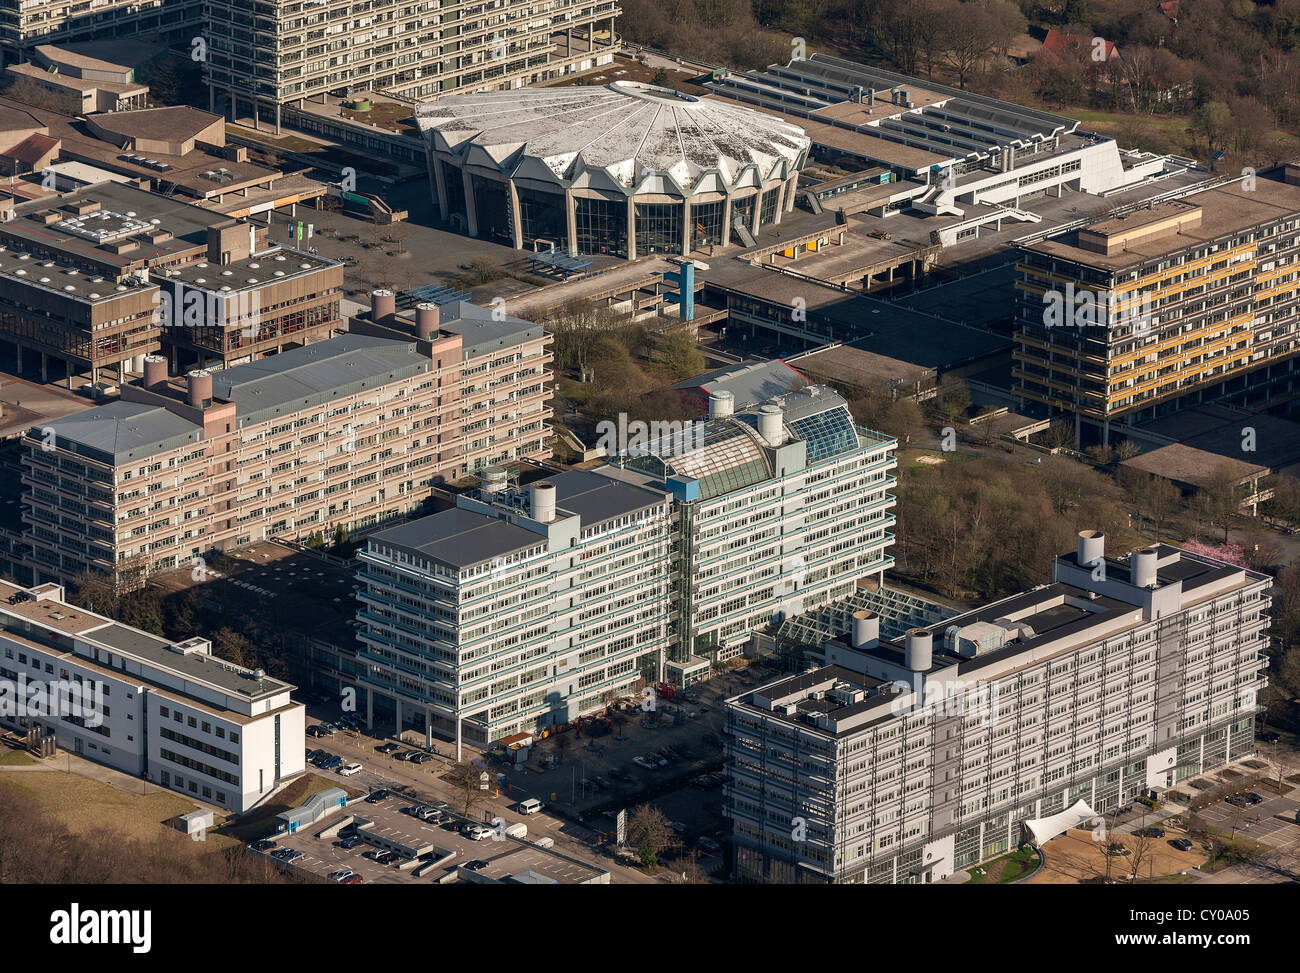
<point x="521" y="609"/>
<point x="904" y="762"/>
<point x="169" y="712"/>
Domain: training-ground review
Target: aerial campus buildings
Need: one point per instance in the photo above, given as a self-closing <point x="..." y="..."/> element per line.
<point x="170" y="712"/>
<point x="349" y="431"/>
<point x="904" y="761"/>
<point x="626" y="169"/>
<point x="1196" y="300"/>
<point x="524" y="608"/>
<point x="629" y="169"/>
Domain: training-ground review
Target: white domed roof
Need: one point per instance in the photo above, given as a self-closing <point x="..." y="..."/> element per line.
<point x="627" y="136"/>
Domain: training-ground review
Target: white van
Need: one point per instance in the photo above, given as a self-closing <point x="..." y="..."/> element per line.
<point x="530" y="806"/>
<point x="347" y="770"/>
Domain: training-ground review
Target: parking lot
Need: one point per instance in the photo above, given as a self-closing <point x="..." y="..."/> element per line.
<point x="578" y="815"/>
<point x="1271" y="823"/>
<point x="442" y="852"/>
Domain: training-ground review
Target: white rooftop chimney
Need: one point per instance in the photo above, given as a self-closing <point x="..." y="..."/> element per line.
<point x="771" y="424"/>
<point x="866" y="629"/>
<point x="542" y="500"/>
<point x="721" y="404"/>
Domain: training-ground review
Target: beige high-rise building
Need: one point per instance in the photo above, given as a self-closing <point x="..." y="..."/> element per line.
<point x="283" y="54"/>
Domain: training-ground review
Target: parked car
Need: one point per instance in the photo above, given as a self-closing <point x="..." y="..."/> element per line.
<point x="1269" y="737"/>
<point x="421" y="758"/>
<point x="659" y="760"/>
<point x="414" y="809"/>
<point x="1151" y="832"/>
<point x="646" y="762"/>
<point x="1182" y="844"/>
<point x="622" y="777"/>
<point x="1254" y="798"/>
<point x="1237" y="800"/>
<point x="266" y="844"/>
<point x="405" y="755"/>
<point x="373" y="854"/>
<point x="387" y="747"/>
<point x="530" y="806"/>
<point x="710" y="845"/>
<point x="374" y="797"/>
<point x="678" y="827"/>
<point x="476" y="832"/>
<point x="293" y="856"/>
<point x="477" y="865"/>
<point x="429" y="814"/>
<point x="351" y="841"/>
<point x="668" y="754"/>
<point x="342" y="875"/>
<point x="316" y="731"/>
<point x="387" y="858"/>
<point x="354" y="880"/>
<point x="347" y="770"/>
<point x="329" y="729"/>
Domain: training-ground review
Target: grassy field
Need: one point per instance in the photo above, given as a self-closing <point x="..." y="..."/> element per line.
<point x="16" y="758"/>
<point x="85" y="805"/>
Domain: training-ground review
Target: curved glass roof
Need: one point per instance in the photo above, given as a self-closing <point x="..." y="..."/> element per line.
<point x="718" y="453"/>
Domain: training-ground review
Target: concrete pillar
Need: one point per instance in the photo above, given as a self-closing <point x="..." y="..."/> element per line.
<point x="456" y="719"/>
<point x="611" y="31"/>
<point x="758" y="211"/>
<point x="398" y="703"/>
<point x="277" y="118"/>
<point x="792" y="190"/>
<point x="212" y="98"/>
<point x="516" y="222"/>
<point x="471" y="210"/>
<point x="253" y="103"/>
<point x="439" y="182"/>
<point x="370" y="708"/>
<point x="428" y="729"/>
<point x="571" y="219"/>
<point x="631" y="229"/>
<point x="44" y="369"/>
<point x="726" y="221"/>
<point x="779" y="210"/>
<point x="686" y="228"/>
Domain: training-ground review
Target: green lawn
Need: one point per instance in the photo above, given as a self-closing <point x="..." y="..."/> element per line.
<point x="1008" y="868"/>
<point x="16" y="758"/>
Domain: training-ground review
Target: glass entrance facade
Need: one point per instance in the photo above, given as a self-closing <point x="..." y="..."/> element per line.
<point x="706" y="224"/>
<point x="602" y="226"/>
<point x="541" y="217"/>
<point x="658" y="228"/>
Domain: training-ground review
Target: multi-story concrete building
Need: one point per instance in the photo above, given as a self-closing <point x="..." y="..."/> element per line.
<point x="1185" y="302"/>
<point x="270" y="55"/>
<point x="521" y="609"/>
<point x="169" y="712"/>
<point x="27" y="24"/>
<point x="99" y="278"/>
<point x="517" y="610"/>
<point x="502" y="382"/>
<point x="349" y="431"/>
<point x="780" y="508"/>
<point x="903" y="762"/>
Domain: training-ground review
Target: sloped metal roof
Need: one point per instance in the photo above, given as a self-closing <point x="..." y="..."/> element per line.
<point x="624" y="134"/>
<point x="121" y="431"/>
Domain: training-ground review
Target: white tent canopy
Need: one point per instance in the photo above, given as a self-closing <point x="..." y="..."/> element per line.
<point x="1045" y="829"/>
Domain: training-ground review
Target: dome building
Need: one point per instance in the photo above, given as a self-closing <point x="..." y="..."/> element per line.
<point x="626" y="169"/>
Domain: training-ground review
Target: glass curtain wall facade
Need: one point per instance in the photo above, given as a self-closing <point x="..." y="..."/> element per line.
<point x="767" y="210"/>
<point x="742" y="211"/>
<point x="602" y="226"/>
<point x="492" y="203"/>
<point x="542" y="217"/>
<point x="706" y="224"/>
<point x="658" y="228"/>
